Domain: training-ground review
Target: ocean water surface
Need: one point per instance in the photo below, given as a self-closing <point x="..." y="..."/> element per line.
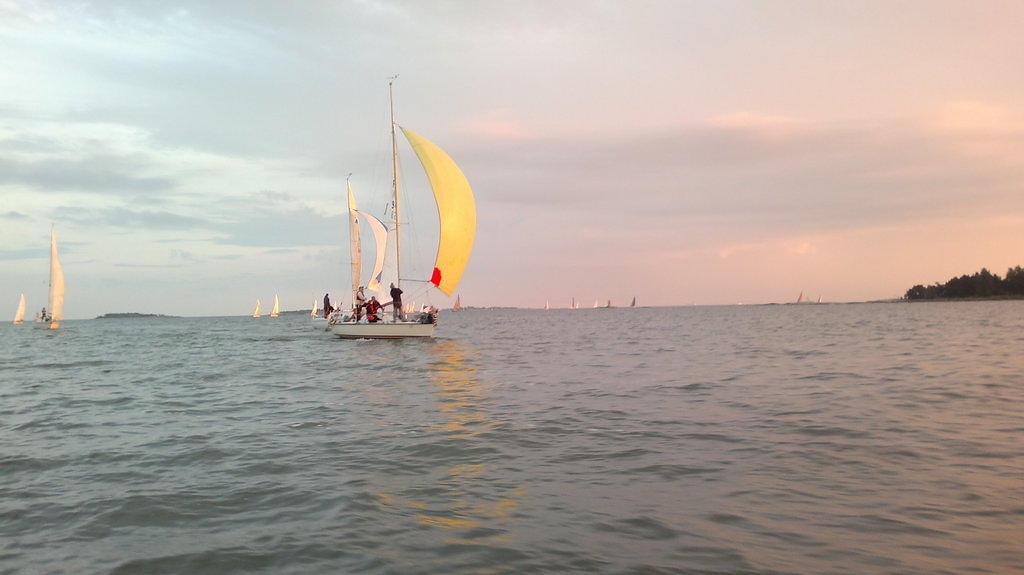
<point x="818" y="439"/>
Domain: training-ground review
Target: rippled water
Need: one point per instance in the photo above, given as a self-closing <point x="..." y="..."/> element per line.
<point x="775" y="439"/>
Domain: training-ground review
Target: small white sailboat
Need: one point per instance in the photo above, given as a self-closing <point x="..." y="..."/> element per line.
<point x="456" y="210"/>
<point x="258" y="310"/>
<point x="277" y="307"/>
<point x="319" y="322"/>
<point x="458" y="304"/>
<point x="596" y="304"/>
<point x="819" y="299"/>
<point x="800" y="298"/>
<point x="609" y="304"/>
<point x="633" y="303"/>
<point x="547" y="305"/>
<point x="55" y="301"/>
<point x="19" y="314"/>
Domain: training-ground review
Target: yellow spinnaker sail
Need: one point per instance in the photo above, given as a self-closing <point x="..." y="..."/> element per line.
<point x="456" y="210"/>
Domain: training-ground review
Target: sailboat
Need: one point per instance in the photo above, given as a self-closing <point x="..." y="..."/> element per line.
<point x="547" y="305"/>
<point x="596" y="304"/>
<point x="609" y="304"/>
<point x="800" y="298"/>
<point x="458" y="304"/>
<point x="633" y="303"/>
<point x="456" y="211"/>
<point x="319" y="322"/>
<point x="55" y="300"/>
<point x="819" y="299"/>
<point x="19" y="314"/>
<point x="258" y="310"/>
<point x="277" y="307"/>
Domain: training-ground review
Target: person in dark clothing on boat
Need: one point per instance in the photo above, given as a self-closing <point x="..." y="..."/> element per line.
<point x="373" y="310"/>
<point x="327" y="305"/>
<point x="396" y="302"/>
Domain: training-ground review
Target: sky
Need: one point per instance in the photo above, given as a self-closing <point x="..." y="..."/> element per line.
<point x="193" y="156"/>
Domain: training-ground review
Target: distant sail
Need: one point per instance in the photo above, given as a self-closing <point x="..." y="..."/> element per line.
<point x="380" y="236"/>
<point x="800" y="298"/>
<point x="609" y="304"/>
<point x="458" y="304"/>
<point x="19" y="314"/>
<point x="819" y="299"/>
<point x="633" y="303"/>
<point x="547" y="305"/>
<point x="316" y="308"/>
<point x="258" y="310"/>
<point x="56" y="284"/>
<point x="277" y="307"/>
<point x="456" y="210"/>
<point x="596" y="304"/>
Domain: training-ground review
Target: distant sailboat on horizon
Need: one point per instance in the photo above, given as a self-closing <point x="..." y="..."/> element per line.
<point x="277" y="307"/>
<point x="19" y="314"/>
<point x="258" y="310"/>
<point x="55" y="300"/>
<point x="458" y="304"/>
<point x="633" y="303"/>
<point x="547" y="305"/>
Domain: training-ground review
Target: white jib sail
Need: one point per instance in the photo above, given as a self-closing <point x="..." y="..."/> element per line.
<point x="380" y="236"/>
<point x="277" y="307"/>
<point x="258" y="309"/>
<point x="316" y="307"/>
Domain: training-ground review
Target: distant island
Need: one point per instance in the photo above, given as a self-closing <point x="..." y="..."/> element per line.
<point x="982" y="285"/>
<point x="131" y="315"/>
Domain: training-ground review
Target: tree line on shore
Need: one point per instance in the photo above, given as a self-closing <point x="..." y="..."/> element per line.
<point x="981" y="284"/>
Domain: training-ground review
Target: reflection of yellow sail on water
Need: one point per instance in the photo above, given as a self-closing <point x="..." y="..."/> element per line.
<point x="461" y="397"/>
<point x="465" y="496"/>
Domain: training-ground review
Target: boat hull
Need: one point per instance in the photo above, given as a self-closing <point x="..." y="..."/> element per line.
<point x="319" y="323"/>
<point x="382" y="330"/>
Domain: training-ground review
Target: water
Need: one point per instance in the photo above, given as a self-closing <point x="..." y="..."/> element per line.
<point x="776" y="439"/>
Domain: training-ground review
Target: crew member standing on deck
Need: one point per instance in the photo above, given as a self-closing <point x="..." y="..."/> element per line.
<point x="396" y="302"/>
<point x="327" y="305"/>
<point x="357" y="305"/>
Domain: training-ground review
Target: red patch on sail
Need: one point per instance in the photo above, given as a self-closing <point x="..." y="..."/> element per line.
<point x="435" y="278"/>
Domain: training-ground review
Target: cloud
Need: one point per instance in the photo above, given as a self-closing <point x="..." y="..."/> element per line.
<point x="128" y="218"/>
<point x="100" y="174"/>
<point x="24" y="254"/>
<point x="14" y="216"/>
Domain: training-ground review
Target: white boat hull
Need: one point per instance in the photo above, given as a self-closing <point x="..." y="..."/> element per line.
<point x="382" y="330"/>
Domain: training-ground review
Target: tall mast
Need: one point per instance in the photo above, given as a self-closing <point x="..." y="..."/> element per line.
<point x="394" y="184"/>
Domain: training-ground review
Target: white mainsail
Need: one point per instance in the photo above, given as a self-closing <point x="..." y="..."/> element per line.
<point x="258" y="310"/>
<point x="547" y="305"/>
<point x="800" y="298"/>
<point x="380" y="237"/>
<point x="316" y="308"/>
<point x="353" y="238"/>
<point x="19" y="314"/>
<point x="56" y="307"/>
<point x="277" y="307"/>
